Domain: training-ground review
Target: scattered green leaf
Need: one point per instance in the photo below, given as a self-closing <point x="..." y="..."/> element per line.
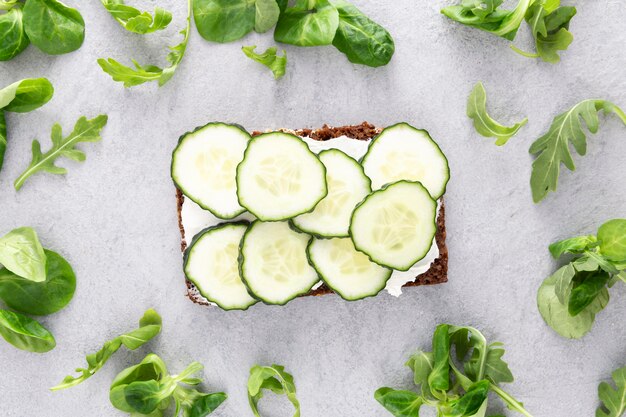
<point x="13" y="39"/>
<point x="25" y="333"/>
<point x="224" y="20"/>
<point x="399" y="403"/>
<point x="613" y="399"/>
<point x="135" y="20"/>
<point x="275" y="379"/>
<point x="22" y="253"/>
<point x="483" y="123"/>
<point x="572" y="245"/>
<point x="553" y="146"/>
<point x="612" y="237"/>
<point x="308" y="23"/>
<point x="84" y="131"/>
<point x="269" y="58"/>
<point x="53" y="27"/>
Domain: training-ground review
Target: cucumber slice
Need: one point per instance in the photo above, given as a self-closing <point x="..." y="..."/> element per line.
<point x="347" y="271"/>
<point x="347" y="186"/>
<point x="402" y="152"/>
<point x="395" y="226"/>
<point x="211" y="263"/>
<point x="280" y="177"/>
<point x="204" y="165"/>
<point x="273" y="262"/>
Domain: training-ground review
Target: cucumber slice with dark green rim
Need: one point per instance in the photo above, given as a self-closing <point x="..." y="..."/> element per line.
<point x="402" y="152"/>
<point x="273" y="262"/>
<point x="347" y="186"/>
<point x="280" y="177"/>
<point x="348" y="272"/>
<point x="204" y="166"/>
<point x="212" y="264"/>
<point x="395" y="226"/>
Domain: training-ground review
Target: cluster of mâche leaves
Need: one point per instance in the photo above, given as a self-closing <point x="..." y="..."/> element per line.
<point x="21" y="97"/>
<point x="483" y="123"/>
<point x="149" y="327"/>
<point x="553" y="148"/>
<point x="548" y="21"/>
<point x="570" y="298"/>
<point x="455" y="378"/>
<point x="135" y="20"/>
<point x="306" y="23"/>
<point x="50" y="25"/>
<point x="613" y="399"/>
<point x="35" y="281"/>
<point x="275" y="379"/>
<point x="147" y="389"/>
<point x="84" y="131"/>
<point x="144" y="73"/>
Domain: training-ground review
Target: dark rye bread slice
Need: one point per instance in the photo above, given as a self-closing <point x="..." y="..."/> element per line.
<point x="438" y="272"/>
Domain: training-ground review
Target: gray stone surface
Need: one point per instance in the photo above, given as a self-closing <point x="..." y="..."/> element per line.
<point x="114" y="217"/>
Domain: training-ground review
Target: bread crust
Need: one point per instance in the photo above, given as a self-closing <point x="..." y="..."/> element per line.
<point x="436" y="274"/>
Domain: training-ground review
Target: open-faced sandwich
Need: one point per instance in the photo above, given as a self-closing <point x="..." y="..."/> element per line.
<point x="276" y="215"/>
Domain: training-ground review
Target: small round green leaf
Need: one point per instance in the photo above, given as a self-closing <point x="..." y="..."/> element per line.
<point x="53" y="27"/>
<point x="13" y="39"/>
<point x="612" y="237"/>
<point x="25" y="333"/>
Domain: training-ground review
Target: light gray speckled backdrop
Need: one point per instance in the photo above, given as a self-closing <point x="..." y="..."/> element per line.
<point x="114" y="216"/>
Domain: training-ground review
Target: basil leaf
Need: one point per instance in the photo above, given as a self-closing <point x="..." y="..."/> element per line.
<point x="53" y="27"/>
<point x="553" y="146"/>
<point x="266" y="15"/>
<point x="361" y="39"/>
<point x="269" y="58"/>
<point x="399" y="403"/>
<point x="150" y="326"/>
<point x="613" y="399"/>
<point x="275" y="379"/>
<point x="483" y="123"/>
<point x="84" y="131"/>
<point x="439" y="378"/>
<point x="586" y="290"/>
<point x="22" y="253"/>
<point x="13" y="39"/>
<point x="612" y="237"/>
<point x="224" y="20"/>
<point x="308" y="24"/>
<point x="471" y="402"/>
<point x="572" y="245"/>
<point x="135" y="20"/>
<point x="40" y="298"/>
<point x="26" y="95"/>
<point x="556" y="314"/>
<point x="25" y="333"/>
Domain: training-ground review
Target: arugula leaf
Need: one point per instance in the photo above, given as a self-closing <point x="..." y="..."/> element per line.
<point x="53" y="27"/>
<point x="149" y="327"/>
<point x="612" y="237"/>
<point x="399" y="403"/>
<point x="26" y="95"/>
<point x="22" y="253"/>
<point x="362" y="40"/>
<point x="135" y="20"/>
<point x="13" y="39"/>
<point x="275" y="379"/>
<point x="40" y="298"/>
<point x="141" y="74"/>
<point x="613" y="399"/>
<point x="308" y="23"/>
<point x="483" y="123"/>
<point x="553" y="146"/>
<point x="25" y="333"/>
<point x="572" y="245"/>
<point x="84" y="131"/>
<point x="269" y="58"/>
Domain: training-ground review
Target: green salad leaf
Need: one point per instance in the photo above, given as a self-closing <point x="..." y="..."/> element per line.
<point x="577" y="244"/>
<point x="149" y="327"/>
<point x="26" y="95"/>
<point x="53" y="27"/>
<point x="22" y="253"/>
<point x="483" y="123"/>
<point x="25" y="333"/>
<point x="40" y="298"/>
<point x="549" y="23"/>
<point x="553" y="148"/>
<point x="613" y="398"/>
<point x="224" y="20"/>
<point x="455" y="378"/>
<point x="8" y="4"/>
<point x="612" y="238"/>
<point x="266" y="15"/>
<point x="142" y="74"/>
<point x="269" y="58"/>
<point x="275" y="379"/>
<point x="148" y="389"/>
<point x="13" y="39"/>
<point x="84" y="131"/>
<point x="308" y="23"/>
<point x="361" y="39"/>
<point x="135" y="20"/>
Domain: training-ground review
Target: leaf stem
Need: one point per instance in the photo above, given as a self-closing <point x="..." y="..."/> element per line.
<point x="524" y="53"/>
<point x="508" y="398"/>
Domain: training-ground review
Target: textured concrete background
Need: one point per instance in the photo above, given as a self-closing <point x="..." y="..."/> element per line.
<point x="114" y="216"/>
